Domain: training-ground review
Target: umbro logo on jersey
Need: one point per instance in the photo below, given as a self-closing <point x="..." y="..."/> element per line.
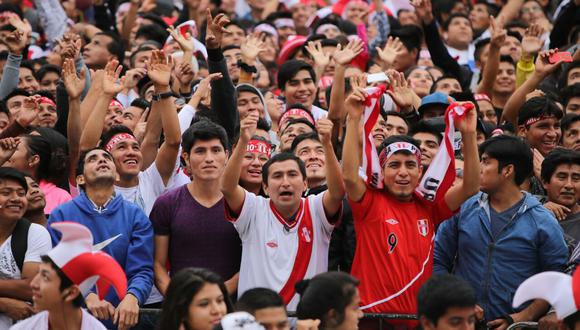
<point x="272" y="244"/>
<point x="423" y="227"/>
<point x="392" y="222"/>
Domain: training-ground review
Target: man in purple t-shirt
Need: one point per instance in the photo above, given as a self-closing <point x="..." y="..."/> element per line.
<point x="189" y="221"/>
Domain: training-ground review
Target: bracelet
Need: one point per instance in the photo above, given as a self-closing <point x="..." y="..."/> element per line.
<point x="508" y="318"/>
<point x="161" y="96"/>
<point x="247" y="68"/>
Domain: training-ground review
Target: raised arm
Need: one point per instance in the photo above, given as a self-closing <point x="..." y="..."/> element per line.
<point x="458" y="194"/>
<point x="74" y="86"/>
<point x="498" y="35"/>
<point x="250" y="48"/>
<point x="354" y="185"/>
<point x="234" y="194"/>
<point x="89" y="102"/>
<point x="543" y="69"/>
<point x="159" y="71"/>
<point x="332" y="199"/>
<point x="321" y="59"/>
<point x="110" y="87"/>
<point x="16" y="41"/>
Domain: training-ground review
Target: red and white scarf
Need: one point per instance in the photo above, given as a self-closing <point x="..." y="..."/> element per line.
<point x="441" y="173"/>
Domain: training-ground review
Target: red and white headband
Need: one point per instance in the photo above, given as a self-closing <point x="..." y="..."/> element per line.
<point x="259" y="147"/>
<point x="116" y="104"/>
<point x="295" y="113"/>
<point x="284" y="22"/>
<point x="395" y="147"/>
<point x="118" y="138"/>
<point x="481" y="97"/>
<point x="46" y="100"/>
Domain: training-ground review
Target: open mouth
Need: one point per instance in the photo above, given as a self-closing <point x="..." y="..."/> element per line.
<point x="286" y="194"/>
<point x="403" y="182"/>
<point x="132" y="162"/>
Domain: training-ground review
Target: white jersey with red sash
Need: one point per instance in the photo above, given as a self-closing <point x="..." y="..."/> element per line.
<point x="275" y="253"/>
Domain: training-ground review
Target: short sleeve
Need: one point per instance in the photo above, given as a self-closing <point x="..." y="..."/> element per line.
<point x="39" y="243"/>
<point x="161" y="215"/>
<point x="316" y="205"/>
<point x="248" y="214"/>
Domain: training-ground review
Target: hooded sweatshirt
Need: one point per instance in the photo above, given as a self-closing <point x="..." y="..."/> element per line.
<point x="273" y="137"/>
<point x="131" y="233"/>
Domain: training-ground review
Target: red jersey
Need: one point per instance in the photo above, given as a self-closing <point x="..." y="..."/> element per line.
<point x="394" y="249"/>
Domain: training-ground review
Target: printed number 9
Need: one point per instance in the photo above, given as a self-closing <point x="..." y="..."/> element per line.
<point x="392" y="241"/>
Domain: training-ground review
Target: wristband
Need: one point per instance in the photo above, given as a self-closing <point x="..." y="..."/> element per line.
<point x="508" y="318"/>
<point x="247" y="68"/>
<point x="161" y="96"/>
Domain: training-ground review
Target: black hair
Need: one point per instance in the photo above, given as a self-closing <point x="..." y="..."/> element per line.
<point x="237" y="23"/>
<point x="281" y="157"/>
<point x="29" y="65"/>
<point x="492" y="8"/>
<point x="479" y="46"/>
<point x="396" y="114"/>
<point x="508" y="59"/>
<point x="10" y="173"/>
<point x="65" y="282"/>
<point x="182" y="289"/>
<point x="332" y="20"/>
<point x="442" y="7"/>
<point x="46" y="69"/>
<point x="515" y="24"/>
<point x="4" y="109"/>
<point x="263" y="125"/>
<point x="59" y="158"/>
<point x="259" y="298"/>
<point x="230" y="47"/>
<point x="114" y="130"/>
<point x="565" y="72"/>
<point x="410" y="35"/>
<point x="293" y="121"/>
<point x="140" y="103"/>
<point x="452" y="17"/>
<point x="16" y="92"/>
<point x="515" y="34"/>
<point x="303" y="137"/>
<point x="11" y="8"/>
<point x="510" y="150"/>
<point x="203" y="130"/>
<point x="538" y="106"/>
<point x="570" y="92"/>
<point x="248" y="89"/>
<point x="290" y="69"/>
<point x="152" y="32"/>
<point x="82" y="159"/>
<point x="145" y="47"/>
<point x="115" y="47"/>
<point x="567" y="121"/>
<point x="331" y="291"/>
<point x="555" y="158"/>
<point x="443" y="77"/>
<point x="423" y="126"/>
<point x="4" y="55"/>
<point x="441" y="292"/>
<point x="38" y="145"/>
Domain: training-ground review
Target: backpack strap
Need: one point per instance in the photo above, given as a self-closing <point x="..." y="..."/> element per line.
<point x="19" y="242"/>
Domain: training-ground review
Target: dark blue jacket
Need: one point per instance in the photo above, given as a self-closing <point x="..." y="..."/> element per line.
<point x="532" y="242"/>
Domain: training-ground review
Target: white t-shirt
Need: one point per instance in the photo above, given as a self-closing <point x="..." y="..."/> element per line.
<point x="146" y="192"/>
<point x="318" y="112"/>
<point x="39" y="244"/>
<point x="270" y="245"/>
<point x="40" y="322"/>
<point x="464" y="57"/>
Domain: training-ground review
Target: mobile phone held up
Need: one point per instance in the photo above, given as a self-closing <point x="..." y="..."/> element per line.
<point x="565" y="57"/>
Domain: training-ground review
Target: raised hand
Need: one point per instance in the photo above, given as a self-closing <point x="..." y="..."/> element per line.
<point x="16" y="41"/>
<point x="159" y="68"/>
<point x="324" y="126"/>
<point x="111" y="84"/>
<point x="350" y="51"/>
<point x="133" y="76"/>
<point x="393" y="49"/>
<point x="251" y="48"/>
<point x="29" y="111"/>
<point x="184" y="42"/>
<point x="359" y="81"/>
<point x="401" y="93"/>
<point x="469" y="123"/>
<point x="7" y="148"/>
<point x="215" y="29"/>
<point x="147" y="6"/>
<point x="20" y="25"/>
<point x="531" y="43"/>
<point x="543" y="66"/>
<point x="70" y="45"/>
<point x="424" y="10"/>
<point x="74" y="84"/>
<point x="248" y="126"/>
<point x="203" y="89"/>
<point x="498" y="33"/>
<point x="321" y="59"/>
<point x="355" y="103"/>
<point x="184" y="74"/>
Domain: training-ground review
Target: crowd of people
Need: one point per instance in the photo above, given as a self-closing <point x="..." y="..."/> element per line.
<point x="231" y="163"/>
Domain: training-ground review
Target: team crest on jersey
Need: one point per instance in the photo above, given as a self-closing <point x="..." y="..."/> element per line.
<point x="306" y="234"/>
<point x="392" y="221"/>
<point x="272" y="244"/>
<point x="423" y="227"/>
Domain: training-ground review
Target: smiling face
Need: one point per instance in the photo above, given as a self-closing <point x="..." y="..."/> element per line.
<point x="379" y="131"/>
<point x="312" y="154"/>
<point x="207" y="308"/>
<point x="12" y="199"/>
<point x="285" y="184"/>
<point x="401" y="174"/>
<point x="27" y="81"/>
<point x="505" y="82"/>
<point x="251" y="169"/>
<point x="300" y="89"/>
<point x="543" y="135"/>
<point x="564" y="185"/>
<point x="128" y="158"/>
<point x="429" y="147"/>
<point x="35" y="196"/>
<point x="249" y="103"/>
<point x="420" y="81"/>
<point x="206" y="160"/>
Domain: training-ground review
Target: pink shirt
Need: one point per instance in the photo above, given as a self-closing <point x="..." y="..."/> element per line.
<point x="54" y="196"/>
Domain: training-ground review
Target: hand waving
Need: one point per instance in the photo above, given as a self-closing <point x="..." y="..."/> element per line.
<point x="251" y="48"/>
<point x="159" y="68"/>
<point x="393" y="49"/>
<point x="401" y="93"/>
<point x="185" y="42"/>
<point x="74" y="85"/>
<point x="111" y="84"/>
<point x="7" y="148"/>
<point x="350" y="51"/>
<point x="424" y="10"/>
<point x="321" y="59"/>
<point x="531" y="43"/>
<point x="29" y="111"/>
<point x="215" y="29"/>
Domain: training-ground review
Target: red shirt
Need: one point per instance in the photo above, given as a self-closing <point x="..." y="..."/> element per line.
<point x="394" y="249"/>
